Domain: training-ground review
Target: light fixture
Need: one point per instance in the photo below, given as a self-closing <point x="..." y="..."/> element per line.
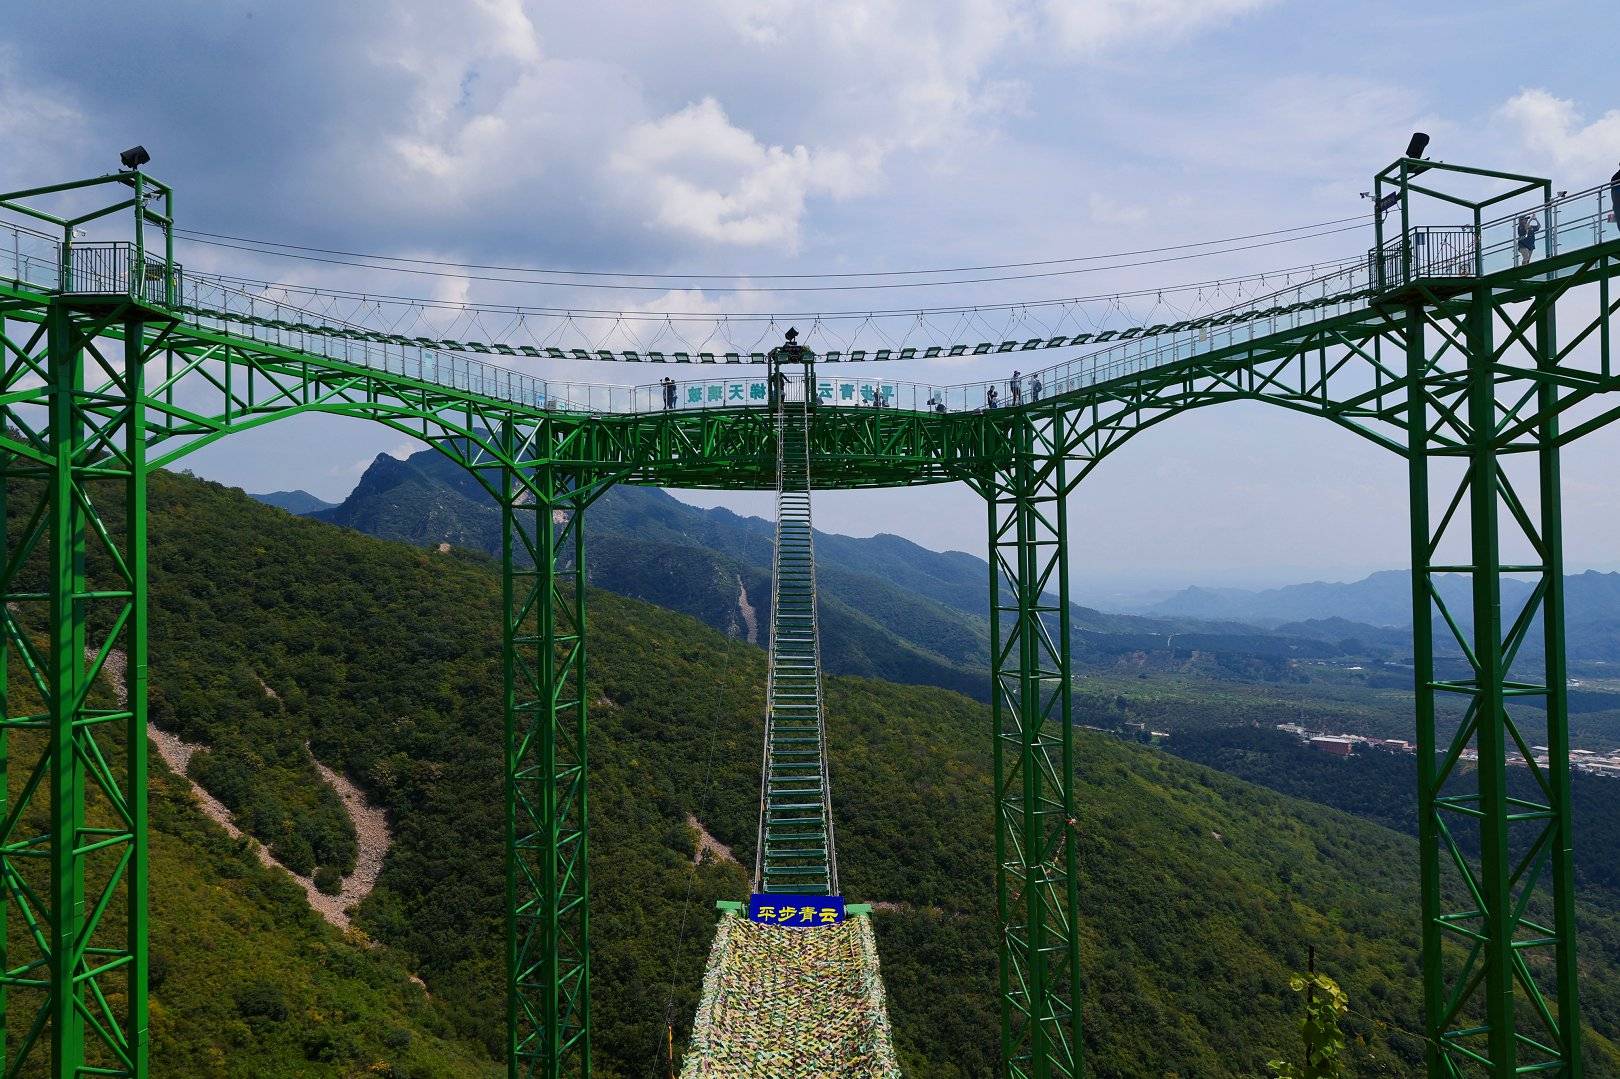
<point x="134" y="157"/>
<point x="1419" y="143"/>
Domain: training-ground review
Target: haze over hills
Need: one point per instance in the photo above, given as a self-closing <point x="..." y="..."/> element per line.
<point x="1379" y="599"/>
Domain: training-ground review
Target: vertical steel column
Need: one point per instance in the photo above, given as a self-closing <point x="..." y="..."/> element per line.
<point x="1561" y="852"/>
<point x="7" y="458"/>
<point x="1036" y="829"/>
<point x="1417" y="418"/>
<point x="136" y="746"/>
<point x="1502" y="825"/>
<point x="74" y="597"/>
<point x="1495" y="914"/>
<point x="548" y="968"/>
<point x="68" y="687"/>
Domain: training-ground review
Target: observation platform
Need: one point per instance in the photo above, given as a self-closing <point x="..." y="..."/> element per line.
<point x="792" y="1004"/>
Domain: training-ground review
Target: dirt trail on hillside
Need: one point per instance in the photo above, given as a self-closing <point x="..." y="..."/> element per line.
<point x="707" y="844"/>
<point x="750" y="616"/>
<point x="370" y="822"/>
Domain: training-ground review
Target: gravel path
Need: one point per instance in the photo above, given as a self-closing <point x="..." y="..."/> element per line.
<point x="750" y="616"/>
<point x="371" y="828"/>
<point x="707" y="844"/>
<point x="370" y="822"/>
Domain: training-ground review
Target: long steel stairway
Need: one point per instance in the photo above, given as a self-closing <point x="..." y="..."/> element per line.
<point x="795" y="849"/>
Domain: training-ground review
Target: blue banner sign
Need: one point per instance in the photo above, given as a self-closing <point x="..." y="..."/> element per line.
<point x="798" y="911"/>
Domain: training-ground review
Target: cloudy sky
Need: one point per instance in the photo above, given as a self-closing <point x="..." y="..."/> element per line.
<point x="802" y="136"/>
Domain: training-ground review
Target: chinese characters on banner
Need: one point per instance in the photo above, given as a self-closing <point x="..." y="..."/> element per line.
<point x="757" y="392"/>
<point x="796" y="911"/>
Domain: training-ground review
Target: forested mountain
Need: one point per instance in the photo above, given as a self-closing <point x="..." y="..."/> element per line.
<point x="1382" y="787"/>
<point x="889" y="608"/>
<point x="1201" y="892"/>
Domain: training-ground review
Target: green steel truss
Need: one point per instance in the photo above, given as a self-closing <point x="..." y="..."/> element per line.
<point x="1037" y="833"/>
<point x="1477" y="383"/>
<point x="73" y="852"/>
<point x="1485" y="504"/>
<point x="547" y="879"/>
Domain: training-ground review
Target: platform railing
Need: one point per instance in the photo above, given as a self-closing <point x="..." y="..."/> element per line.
<point x="114" y="268"/>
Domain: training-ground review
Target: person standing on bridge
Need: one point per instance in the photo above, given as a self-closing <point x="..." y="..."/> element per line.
<point x="1614" y="198"/>
<point x="1528" y="227"/>
<point x="1034" y="387"/>
<point x="1015" y="387"/>
<point x="669" y="393"/>
<point x="990" y="397"/>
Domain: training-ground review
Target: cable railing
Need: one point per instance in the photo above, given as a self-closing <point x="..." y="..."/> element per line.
<point x="1570" y="221"/>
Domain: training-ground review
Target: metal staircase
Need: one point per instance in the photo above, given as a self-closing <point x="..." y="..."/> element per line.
<point x="795" y="849"/>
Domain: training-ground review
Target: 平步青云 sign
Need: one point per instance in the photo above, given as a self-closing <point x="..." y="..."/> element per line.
<point x="797" y="911"/>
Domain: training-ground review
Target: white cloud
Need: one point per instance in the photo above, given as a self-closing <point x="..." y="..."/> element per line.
<point x="1552" y="127"/>
<point x="707" y="178"/>
<point x="1094" y="25"/>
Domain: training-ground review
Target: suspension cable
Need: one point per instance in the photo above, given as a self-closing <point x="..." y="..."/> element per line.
<point x="201" y="236"/>
<point x="745" y="289"/>
<point x="237" y="282"/>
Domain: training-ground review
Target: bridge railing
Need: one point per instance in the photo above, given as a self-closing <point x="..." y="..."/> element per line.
<point x="34" y="259"/>
<point x="1567" y="223"/>
<point x="30" y="258"/>
<point x="1338" y="291"/>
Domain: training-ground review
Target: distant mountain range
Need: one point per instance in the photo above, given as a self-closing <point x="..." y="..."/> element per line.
<point x="295" y="501"/>
<point x="1384" y="600"/>
<point x="1379" y="599"/>
<point x="889" y="608"/>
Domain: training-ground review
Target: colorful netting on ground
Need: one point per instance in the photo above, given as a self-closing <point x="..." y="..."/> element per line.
<point x="792" y="1004"/>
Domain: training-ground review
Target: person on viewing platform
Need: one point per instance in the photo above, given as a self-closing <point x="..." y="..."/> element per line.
<point x="1015" y="388"/>
<point x="1614" y="197"/>
<point x="1034" y="387"/>
<point x="990" y="397"/>
<point x="1528" y="227"/>
<point x="778" y="386"/>
<point x="669" y="393"/>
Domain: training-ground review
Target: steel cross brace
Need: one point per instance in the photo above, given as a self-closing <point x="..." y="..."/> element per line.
<point x="543" y="645"/>
<point x="1037" y="833"/>
<point x="74" y="576"/>
<point x="1497" y="876"/>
